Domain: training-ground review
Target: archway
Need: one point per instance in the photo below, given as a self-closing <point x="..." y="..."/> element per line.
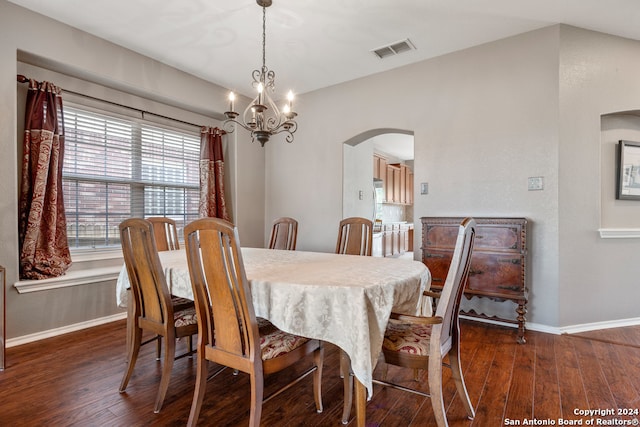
<point x="359" y="195"/>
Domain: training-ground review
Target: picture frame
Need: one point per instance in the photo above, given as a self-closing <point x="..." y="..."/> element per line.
<point x="628" y="170"/>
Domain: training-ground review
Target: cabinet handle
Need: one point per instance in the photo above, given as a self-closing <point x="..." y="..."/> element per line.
<point x="436" y="279"/>
<point x="434" y="256"/>
<point x="473" y="272"/>
<point x="511" y="288"/>
<point x="510" y="261"/>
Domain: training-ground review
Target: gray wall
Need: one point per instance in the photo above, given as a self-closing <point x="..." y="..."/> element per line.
<point x="599" y="74"/>
<point x="34" y="38"/>
<point x="485" y="119"/>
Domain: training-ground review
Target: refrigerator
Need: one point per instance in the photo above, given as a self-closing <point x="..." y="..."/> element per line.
<point x="378" y="199"/>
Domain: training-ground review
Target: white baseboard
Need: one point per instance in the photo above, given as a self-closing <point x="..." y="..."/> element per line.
<point x="573" y="329"/>
<point x="12" y="342"/>
<point x="586" y="327"/>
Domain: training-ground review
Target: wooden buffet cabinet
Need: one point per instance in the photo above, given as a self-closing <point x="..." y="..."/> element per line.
<point x="498" y="261"/>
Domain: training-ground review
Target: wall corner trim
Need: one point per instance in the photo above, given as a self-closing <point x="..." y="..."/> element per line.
<point x="619" y="233"/>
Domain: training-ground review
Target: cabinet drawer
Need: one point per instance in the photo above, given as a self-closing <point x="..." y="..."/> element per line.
<point x="490" y="234"/>
<point x="441" y="235"/>
<point x="499" y="237"/>
<point x="489" y="273"/>
<point x="437" y="261"/>
<point x="496" y="273"/>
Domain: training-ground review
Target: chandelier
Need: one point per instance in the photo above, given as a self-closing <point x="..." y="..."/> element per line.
<point x="262" y="117"/>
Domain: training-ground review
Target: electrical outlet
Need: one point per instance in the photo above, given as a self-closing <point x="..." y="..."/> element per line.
<point x="536" y="183"/>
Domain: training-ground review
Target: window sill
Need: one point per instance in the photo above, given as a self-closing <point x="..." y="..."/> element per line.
<point x="85" y="255"/>
<point x="619" y="233"/>
<point x="74" y="278"/>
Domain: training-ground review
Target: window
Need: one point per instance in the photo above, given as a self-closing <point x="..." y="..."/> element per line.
<point x="116" y="168"/>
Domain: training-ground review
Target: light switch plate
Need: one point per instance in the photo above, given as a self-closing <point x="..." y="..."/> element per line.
<point x="424" y="188"/>
<point x="536" y="183"/>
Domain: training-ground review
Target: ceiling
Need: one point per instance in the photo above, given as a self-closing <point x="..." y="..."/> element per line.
<point x="315" y="44"/>
<point x="396" y="145"/>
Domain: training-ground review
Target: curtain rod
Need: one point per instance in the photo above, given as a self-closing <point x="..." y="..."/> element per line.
<point x="23" y="79"/>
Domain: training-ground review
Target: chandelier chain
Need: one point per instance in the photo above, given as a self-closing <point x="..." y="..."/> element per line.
<point x="264" y="37"/>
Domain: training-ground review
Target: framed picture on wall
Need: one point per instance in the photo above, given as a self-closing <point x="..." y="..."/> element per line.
<point x="628" y="183"/>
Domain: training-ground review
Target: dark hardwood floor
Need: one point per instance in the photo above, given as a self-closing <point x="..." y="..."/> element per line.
<point x="73" y="380"/>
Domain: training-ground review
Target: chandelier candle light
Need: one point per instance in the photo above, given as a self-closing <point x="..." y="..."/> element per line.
<point x="262" y="117"/>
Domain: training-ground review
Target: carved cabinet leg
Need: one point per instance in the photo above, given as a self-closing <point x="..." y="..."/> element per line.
<point x="522" y="311"/>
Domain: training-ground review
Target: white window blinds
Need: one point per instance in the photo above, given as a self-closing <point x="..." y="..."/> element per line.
<point x="116" y="168"/>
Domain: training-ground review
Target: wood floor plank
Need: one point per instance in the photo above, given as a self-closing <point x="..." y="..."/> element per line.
<point x="618" y="379"/>
<point x="596" y="386"/>
<point x="546" y="393"/>
<point x="522" y="383"/>
<point x="73" y="380"/>
<point x="571" y="384"/>
<point x="496" y="389"/>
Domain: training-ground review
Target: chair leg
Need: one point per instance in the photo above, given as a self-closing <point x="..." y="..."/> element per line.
<point x="133" y="344"/>
<point x="385" y="371"/>
<point x="200" y="388"/>
<point x="167" y="367"/>
<point x="345" y="371"/>
<point x="318" y="357"/>
<point x="257" y="395"/>
<point x="456" y="373"/>
<point x="435" y="389"/>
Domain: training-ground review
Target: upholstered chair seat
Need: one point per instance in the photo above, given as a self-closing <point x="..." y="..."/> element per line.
<point x="407" y="338"/>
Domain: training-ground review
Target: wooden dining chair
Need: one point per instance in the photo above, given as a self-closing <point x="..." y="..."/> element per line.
<point x="419" y="342"/>
<point x="355" y="236"/>
<point x="228" y="331"/>
<point x="284" y="233"/>
<point x="152" y="308"/>
<point x="166" y="233"/>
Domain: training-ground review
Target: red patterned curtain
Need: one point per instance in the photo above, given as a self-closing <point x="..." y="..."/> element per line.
<point x="44" y="250"/>
<point x="212" y="203"/>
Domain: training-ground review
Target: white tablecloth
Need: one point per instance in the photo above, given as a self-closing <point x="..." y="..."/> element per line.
<point x="342" y="299"/>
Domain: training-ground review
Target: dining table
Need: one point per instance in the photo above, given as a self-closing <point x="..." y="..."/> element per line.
<point x="345" y="300"/>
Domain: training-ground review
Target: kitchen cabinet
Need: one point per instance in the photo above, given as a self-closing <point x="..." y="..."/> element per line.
<point x="379" y="167"/>
<point x="392" y="189"/>
<point x="395" y="233"/>
<point x="397" y="179"/>
<point x="387" y="240"/>
<point x="399" y="184"/>
<point x="395" y="239"/>
<point x="498" y="261"/>
<point x="409" y="187"/>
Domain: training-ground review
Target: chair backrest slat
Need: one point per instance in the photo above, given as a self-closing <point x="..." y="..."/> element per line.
<point x="355" y="236"/>
<point x="165" y="232"/>
<point x="221" y="289"/>
<point x="284" y="234"/>
<point x="146" y="276"/>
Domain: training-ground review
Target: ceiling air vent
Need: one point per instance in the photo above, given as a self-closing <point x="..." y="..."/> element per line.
<point x="394" y="49"/>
